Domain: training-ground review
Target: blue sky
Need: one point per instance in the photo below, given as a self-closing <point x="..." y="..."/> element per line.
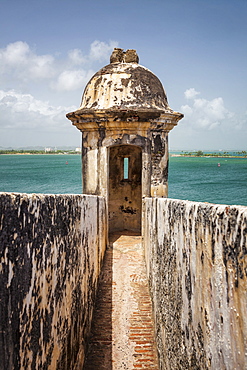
<point x="49" y="49"/>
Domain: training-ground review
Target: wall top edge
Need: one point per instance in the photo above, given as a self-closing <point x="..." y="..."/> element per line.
<point x="43" y="195"/>
<point x="201" y="204"/>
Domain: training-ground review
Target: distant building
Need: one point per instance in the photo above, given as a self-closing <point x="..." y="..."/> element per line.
<point x="78" y="150"/>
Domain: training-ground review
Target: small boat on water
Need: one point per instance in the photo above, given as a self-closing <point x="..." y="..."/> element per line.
<point x="218" y="164"/>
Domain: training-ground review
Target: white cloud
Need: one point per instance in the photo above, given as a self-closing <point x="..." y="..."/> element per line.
<point x="24" y="111"/>
<point x="28" y="81"/>
<point x="18" y="59"/>
<point x="187" y="110"/>
<point x="72" y="79"/>
<point x="15" y="53"/>
<point x="42" y="67"/>
<point x="76" y="57"/>
<point x="191" y="93"/>
<point x="101" y="50"/>
<point x="20" y="64"/>
<point x="203" y="113"/>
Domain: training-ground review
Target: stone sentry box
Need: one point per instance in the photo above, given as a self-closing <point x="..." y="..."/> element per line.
<point x="124" y="118"/>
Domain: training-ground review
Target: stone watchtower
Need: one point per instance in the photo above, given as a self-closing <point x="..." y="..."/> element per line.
<point x="124" y="118"/>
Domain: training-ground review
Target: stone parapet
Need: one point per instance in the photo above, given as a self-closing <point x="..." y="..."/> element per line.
<point x="51" y="249"/>
<point x="196" y="256"/>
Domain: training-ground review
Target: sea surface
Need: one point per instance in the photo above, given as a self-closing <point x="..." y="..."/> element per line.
<point x="49" y="174"/>
<point x="205" y="179"/>
<point x="208" y="179"/>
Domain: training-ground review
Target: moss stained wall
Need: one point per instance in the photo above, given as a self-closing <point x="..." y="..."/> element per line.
<point x="51" y="249"/>
<point x="196" y="256"/>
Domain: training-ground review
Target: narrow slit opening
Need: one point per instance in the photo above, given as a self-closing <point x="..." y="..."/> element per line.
<point x="126" y="168"/>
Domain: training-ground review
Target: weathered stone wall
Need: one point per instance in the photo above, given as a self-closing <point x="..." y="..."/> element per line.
<point x="196" y="256"/>
<point x="51" y="249"/>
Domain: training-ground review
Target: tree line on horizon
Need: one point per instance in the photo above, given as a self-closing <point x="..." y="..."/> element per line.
<point x="200" y="153"/>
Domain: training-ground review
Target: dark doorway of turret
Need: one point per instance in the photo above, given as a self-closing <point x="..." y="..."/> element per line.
<point x="125" y="188"/>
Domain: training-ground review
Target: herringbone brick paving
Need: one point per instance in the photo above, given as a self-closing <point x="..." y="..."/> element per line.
<point x="122" y="335"/>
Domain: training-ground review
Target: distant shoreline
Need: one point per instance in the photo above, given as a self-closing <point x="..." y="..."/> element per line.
<point x="48" y="153"/>
<point x="198" y="154"/>
<point x="208" y="156"/>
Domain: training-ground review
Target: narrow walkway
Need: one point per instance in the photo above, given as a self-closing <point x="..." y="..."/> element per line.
<point x="122" y="335"/>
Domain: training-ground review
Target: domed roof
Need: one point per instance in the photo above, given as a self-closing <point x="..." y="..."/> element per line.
<point x="123" y="86"/>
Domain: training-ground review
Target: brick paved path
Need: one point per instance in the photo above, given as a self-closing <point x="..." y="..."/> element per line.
<point x="122" y="331"/>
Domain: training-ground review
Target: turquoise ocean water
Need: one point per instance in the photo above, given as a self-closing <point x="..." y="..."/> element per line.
<point x="192" y="178"/>
<point x="49" y="174"/>
<point x="213" y="180"/>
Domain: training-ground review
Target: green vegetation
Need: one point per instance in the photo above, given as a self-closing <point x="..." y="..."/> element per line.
<point x="26" y="151"/>
<point x="200" y="153"/>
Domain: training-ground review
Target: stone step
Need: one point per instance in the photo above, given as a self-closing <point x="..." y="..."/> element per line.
<point x="122" y="335"/>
